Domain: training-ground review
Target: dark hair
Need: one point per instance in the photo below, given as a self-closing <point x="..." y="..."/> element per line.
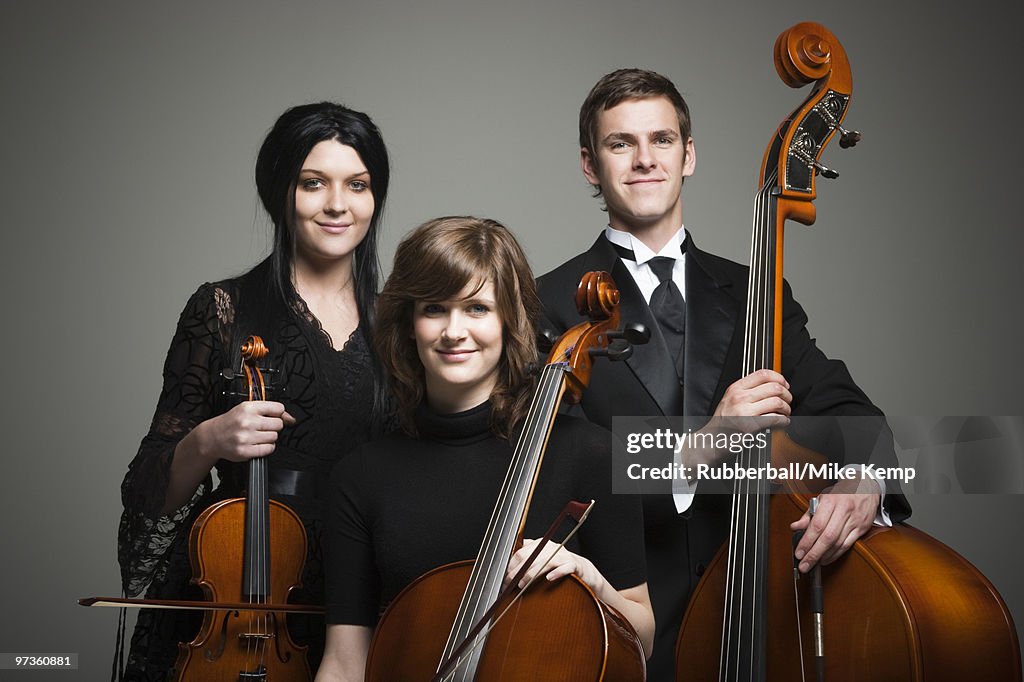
<point x="627" y="84"/>
<point x="278" y="164"/>
<point x="284" y="151"/>
<point x="436" y="262"/>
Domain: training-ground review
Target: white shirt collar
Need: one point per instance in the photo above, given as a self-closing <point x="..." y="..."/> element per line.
<point x="641" y="251"/>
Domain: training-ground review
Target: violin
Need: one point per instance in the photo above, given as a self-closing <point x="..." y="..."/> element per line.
<point x="251" y="550"/>
<point x="901" y="606"/>
<point x="431" y="630"/>
<point x="233" y="545"/>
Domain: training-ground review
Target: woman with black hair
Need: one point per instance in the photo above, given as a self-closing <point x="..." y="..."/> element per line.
<point x="322" y="176"/>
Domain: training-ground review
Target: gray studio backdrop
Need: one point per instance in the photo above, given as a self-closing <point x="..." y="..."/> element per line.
<point x="129" y="133"/>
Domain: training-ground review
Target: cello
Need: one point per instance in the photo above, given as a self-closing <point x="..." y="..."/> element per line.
<point x="430" y="630"/>
<point x="902" y="607"/>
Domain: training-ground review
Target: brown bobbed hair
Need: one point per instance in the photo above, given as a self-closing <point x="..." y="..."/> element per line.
<point x="622" y="85"/>
<point x="435" y="262"/>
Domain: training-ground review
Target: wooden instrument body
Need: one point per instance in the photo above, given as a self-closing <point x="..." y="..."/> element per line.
<point x="900" y="606"/>
<point x="216" y="548"/>
<point x="522" y="646"/>
<point x="555" y="630"/>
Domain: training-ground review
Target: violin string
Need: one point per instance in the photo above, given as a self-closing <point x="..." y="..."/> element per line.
<point x="251" y="617"/>
<point x="264" y="538"/>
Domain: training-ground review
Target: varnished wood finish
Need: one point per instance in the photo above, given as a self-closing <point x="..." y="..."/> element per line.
<point x="556" y="631"/>
<point x="899" y="607"/>
<point x="249" y="548"/>
<point x="548" y="635"/>
<point x="215" y="546"/>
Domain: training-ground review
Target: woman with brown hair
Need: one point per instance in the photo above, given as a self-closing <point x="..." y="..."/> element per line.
<point x="455" y="333"/>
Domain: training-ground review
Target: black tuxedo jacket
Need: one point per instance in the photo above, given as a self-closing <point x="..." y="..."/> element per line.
<point x="679" y="547"/>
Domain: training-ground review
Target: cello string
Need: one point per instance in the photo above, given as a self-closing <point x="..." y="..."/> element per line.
<point x="495" y="529"/>
<point x="484" y="577"/>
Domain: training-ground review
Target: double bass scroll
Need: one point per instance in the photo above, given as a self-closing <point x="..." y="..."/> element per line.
<point x="901" y="606"/>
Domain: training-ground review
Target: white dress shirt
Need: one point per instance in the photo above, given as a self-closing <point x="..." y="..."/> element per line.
<point x="647" y="282"/>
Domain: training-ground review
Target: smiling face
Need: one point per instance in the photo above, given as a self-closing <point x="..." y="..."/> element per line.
<point x="639" y="162"/>
<point x="333" y="203"/>
<point x="459" y="342"/>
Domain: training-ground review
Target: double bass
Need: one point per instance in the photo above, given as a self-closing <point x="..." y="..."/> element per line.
<point x="552" y="630"/>
<point x="901" y="606"/>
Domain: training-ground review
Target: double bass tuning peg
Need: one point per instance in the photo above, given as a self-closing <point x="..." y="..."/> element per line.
<point x="848" y="138"/>
<point x="823" y="170"/>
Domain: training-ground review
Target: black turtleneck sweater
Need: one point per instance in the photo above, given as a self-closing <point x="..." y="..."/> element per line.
<point x="402" y="506"/>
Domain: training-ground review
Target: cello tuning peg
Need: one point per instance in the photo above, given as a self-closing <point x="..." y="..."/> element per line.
<point x="848" y="138"/>
<point x="546" y="339"/>
<point x="824" y="170"/>
<point x="633" y="332"/>
<point x="619" y="349"/>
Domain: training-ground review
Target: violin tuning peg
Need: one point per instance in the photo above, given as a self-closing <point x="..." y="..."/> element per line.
<point x="848" y="138"/>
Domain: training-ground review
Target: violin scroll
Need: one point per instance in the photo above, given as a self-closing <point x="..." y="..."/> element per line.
<point x="253" y="349"/>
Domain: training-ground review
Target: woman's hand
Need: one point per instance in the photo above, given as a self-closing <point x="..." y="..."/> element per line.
<point x="634" y="602"/>
<point x="246" y="431"/>
<point x="562" y="563"/>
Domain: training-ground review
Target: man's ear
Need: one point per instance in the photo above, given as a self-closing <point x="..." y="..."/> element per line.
<point x="588" y="164"/>
<point x="689" y="158"/>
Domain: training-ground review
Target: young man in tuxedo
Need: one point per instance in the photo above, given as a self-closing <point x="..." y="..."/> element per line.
<point x="636" y="151"/>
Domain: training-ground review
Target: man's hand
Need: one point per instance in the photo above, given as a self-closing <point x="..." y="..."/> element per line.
<point x="845" y="512"/>
<point x="764" y="393"/>
<point x="761" y="400"/>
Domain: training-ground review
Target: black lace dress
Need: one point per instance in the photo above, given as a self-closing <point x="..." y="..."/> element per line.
<point x="328" y="391"/>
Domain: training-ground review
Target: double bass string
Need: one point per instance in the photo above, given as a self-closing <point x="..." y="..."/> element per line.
<point x="743" y="560"/>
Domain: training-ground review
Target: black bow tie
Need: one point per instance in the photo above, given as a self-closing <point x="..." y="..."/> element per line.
<point x="666" y="303"/>
<point x="628" y="253"/>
